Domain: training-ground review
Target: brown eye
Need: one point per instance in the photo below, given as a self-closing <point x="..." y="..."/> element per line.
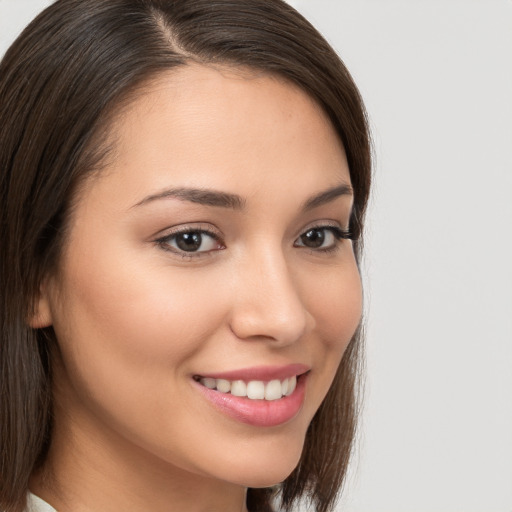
<point x="189" y="242"/>
<point x="193" y="241"/>
<point x="313" y="238"/>
<point x="321" y="238"/>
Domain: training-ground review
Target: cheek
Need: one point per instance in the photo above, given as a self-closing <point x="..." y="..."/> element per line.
<point x="336" y="307"/>
<point x="127" y="328"/>
<point x="129" y="334"/>
<point x="135" y="307"/>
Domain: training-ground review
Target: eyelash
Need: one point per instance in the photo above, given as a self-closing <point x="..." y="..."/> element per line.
<point x="339" y="234"/>
<point x="164" y="242"/>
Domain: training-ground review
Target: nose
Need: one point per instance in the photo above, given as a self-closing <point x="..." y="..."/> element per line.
<point x="267" y="303"/>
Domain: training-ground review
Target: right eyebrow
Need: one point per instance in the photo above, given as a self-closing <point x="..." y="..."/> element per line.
<point x="206" y="197"/>
<point x="328" y="195"/>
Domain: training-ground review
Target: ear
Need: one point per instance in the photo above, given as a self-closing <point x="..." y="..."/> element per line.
<point x="41" y="316"/>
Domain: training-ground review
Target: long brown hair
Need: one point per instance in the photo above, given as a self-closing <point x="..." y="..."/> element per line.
<point x="59" y="84"/>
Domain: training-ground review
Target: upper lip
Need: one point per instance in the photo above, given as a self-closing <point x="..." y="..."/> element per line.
<point x="263" y="373"/>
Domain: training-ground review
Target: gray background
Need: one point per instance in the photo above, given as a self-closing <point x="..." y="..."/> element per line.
<point x="437" y="79"/>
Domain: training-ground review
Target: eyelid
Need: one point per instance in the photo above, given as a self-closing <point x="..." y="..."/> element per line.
<point x="189" y="226"/>
<point x="326" y="224"/>
<point x="336" y="232"/>
<point x="163" y="237"/>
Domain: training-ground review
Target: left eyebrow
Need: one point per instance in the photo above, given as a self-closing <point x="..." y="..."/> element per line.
<point x="327" y="196"/>
<point x="205" y="197"/>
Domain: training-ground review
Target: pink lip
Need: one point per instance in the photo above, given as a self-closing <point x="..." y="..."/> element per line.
<point x="264" y="373"/>
<point x="259" y="413"/>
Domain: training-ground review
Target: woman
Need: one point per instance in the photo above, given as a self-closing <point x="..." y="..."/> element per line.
<point x="182" y="197"/>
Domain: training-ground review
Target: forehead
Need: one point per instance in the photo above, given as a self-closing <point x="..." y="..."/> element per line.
<point x="207" y="126"/>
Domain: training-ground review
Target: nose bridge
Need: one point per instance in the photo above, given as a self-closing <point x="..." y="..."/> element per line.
<point x="268" y="303"/>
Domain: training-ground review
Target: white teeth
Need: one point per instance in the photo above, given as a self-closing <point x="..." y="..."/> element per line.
<point x="239" y="388"/>
<point x="224" y="386"/>
<point x="273" y="390"/>
<point x="284" y="386"/>
<point x="209" y="383"/>
<point x="292" y="384"/>
<point x="254" y="389"/>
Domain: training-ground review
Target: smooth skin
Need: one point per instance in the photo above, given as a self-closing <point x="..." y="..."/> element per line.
<point x="137" y="317"/>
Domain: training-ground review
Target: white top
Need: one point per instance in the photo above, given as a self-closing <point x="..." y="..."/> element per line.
<point x="36" y="504"/>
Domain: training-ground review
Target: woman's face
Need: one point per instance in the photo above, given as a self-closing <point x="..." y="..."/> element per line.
<point x="210" y="250"/>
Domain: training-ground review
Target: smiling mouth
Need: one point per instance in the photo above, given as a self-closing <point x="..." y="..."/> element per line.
<point x="254" y="389"/>
<point x="261" y="396"/>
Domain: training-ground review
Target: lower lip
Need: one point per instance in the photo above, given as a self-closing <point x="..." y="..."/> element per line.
<point x="259" y="413"/>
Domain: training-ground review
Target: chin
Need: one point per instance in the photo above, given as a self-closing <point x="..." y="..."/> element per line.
<point x="268" y="481"/>
<point x="268" y="468"/>
<point x="267" y="478"/>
